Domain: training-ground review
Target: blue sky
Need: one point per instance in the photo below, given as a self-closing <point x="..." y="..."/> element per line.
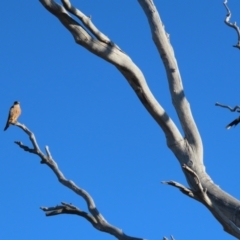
<point x="96" y="128"/>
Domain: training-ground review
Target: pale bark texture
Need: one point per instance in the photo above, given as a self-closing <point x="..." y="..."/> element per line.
<point x="187" y="148"/>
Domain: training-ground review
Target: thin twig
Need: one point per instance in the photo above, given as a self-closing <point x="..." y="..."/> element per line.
<point x="234" y="109"/>
<point x="232" y="25"/>
<point x="66" y="208"/>
<point x="183" y="189"/>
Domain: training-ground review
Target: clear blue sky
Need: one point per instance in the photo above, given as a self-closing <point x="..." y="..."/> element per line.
<point x="99" y="133"/>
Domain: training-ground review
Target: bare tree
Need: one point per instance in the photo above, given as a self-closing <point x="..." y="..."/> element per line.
<point x="187" y="148"/>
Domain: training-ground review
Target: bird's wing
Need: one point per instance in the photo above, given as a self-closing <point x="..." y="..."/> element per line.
<point x="234" y="122"/>
<point x="14" y="113"/>
<point x="8" y="119"/>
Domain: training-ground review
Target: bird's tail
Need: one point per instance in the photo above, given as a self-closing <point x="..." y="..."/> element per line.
<point x="233" y="123"/>
<point x="6" y="127"/>
<point x="228" y="126"/>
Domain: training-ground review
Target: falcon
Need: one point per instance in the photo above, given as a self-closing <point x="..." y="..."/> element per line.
<point x="233" y="123"/>
<point x="14" y="113"/>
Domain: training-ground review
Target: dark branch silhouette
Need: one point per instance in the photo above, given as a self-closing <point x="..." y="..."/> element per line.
<point x="234" y="109"/>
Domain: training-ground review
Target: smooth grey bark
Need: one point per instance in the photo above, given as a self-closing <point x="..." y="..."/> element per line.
<point x="188" y="149"/>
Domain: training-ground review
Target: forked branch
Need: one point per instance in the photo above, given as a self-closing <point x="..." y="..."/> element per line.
<point x="232" y="25"/>
<point x="201" y="195"/>
<point x="94" y="216"/>
<point x="90" y="37"/>
<point x="66" y="208"/>
<point x="166" y="52"/>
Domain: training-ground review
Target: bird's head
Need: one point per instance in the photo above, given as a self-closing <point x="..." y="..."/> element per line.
<point x="16" y="102"/>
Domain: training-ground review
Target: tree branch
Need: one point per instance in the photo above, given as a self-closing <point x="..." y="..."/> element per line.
<point x="183" y="189"/>
<point x="103" y="47"/>
<point x="94" y="217"/>
<point x="192" y="155"/>
<point x="66" y="208"/>
<point x="234" y="109"/>
<point x="232" y="25"/>
<point x="88" y="24"/>
<point x="201" y="195"/>
<point x="166" y="52"/>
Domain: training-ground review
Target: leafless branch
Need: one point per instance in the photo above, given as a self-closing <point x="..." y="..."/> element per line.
<point x="232" y="25"/>
<point x="86" y="21"/>
<point x="234" y="109"/>
<point x="94" y="217"/>
<point x="183" y="189"/>
<point x="69" y="209"/>
<point x="201" y="195"/>
<point x="200" y="182"/>
<point x="166" y="52"/>
<point x="102" y="46"/>
<point x="201" y="192"/>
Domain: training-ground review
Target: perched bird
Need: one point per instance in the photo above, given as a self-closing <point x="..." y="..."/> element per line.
<point x="14" y="113"/>
<point x="233" y="123"/>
